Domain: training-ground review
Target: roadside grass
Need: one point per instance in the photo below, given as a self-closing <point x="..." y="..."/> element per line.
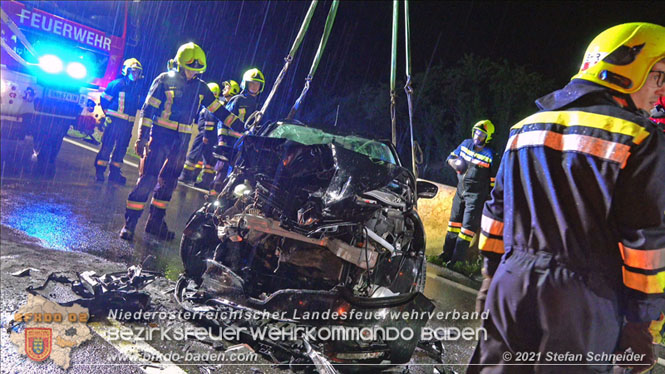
<point x="470" y="268"/>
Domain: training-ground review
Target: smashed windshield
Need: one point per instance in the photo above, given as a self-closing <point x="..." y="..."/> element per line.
<point x="310" y="136"/>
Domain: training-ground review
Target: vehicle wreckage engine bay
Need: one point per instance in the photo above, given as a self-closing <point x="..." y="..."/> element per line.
<point x="316" y="236"/>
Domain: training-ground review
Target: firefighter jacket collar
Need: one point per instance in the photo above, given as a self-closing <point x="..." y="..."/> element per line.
<point x="578" y="89"/>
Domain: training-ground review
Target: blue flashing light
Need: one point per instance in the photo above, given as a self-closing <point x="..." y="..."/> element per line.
<point x="64" y="65"/>
<point x="51" y="64"/>
<point x="76" y="70"/>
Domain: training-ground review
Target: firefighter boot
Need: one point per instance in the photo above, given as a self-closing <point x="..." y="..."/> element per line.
<point x="461" y="249"/>
<point x="448" y="247"/>
<point x="187" y="176"/>
<point x="127" y="232"/>
<point x="206" y="180"/>
<point x="99" y="173"/>
<point x="115" y="176"/>
<point x="158" y="228"/>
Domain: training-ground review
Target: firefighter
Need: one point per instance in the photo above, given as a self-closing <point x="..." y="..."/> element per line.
<point x="206" y="139"/>
<point x="231" y="89"/>
<point x="242" y="105"/>
<point x="120" y="102"/>
<point x="201" y="152"/>
<point x="245" y="103"/>
<point x="48" y="137"/>
<point x="574" y="233"/>
<point x="472" y="160"/>
<point x="169" y="112"/>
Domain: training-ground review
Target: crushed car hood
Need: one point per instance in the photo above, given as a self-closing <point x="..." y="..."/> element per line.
<point x="328" y="172"/>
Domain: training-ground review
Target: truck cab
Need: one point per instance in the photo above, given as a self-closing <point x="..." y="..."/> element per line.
<point x="57" y="57"/>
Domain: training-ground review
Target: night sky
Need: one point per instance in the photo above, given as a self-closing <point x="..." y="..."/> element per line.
<point x="548" y="37"/>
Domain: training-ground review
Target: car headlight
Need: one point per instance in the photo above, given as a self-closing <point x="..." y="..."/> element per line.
<point x="76" y="70"/>
<point x="51" y="64"/>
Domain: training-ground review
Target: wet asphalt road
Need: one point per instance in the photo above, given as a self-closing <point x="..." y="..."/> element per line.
<point x="73" y="213"/>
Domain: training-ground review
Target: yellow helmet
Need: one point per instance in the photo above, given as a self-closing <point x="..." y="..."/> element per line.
<point x="253" y="75"/>
<point x="191" y="57"/>
<point x="214" y="87"/>
<point x="621" y="57"/>
<point x="234" y="88"/>
<point x="131" y="63"/>
<point x="486" y="126"/>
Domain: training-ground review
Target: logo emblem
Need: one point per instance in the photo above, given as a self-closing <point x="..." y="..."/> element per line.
<point x="38" y="343"/>
<point x="591" y="58"/>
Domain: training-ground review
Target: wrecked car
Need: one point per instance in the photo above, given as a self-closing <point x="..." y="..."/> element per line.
<point x="310" y="223"/>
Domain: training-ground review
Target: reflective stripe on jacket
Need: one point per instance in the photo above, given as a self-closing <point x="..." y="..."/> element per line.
<point x="121" y="99"/>
<point x="477" y="178"/>
<point x="173" y="102"/>
<point x="584" y="180"/>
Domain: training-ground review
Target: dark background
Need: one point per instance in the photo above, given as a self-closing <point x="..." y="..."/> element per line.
<point x="535" y="48"/>
<point x="547" y="37"/>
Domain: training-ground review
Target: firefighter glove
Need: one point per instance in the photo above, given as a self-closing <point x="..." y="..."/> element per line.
<point x="104" y="122"/>
<point x="459" y="165"/>
<point x="656" y="329"/>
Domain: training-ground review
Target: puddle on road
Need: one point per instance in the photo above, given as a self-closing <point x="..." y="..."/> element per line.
<point x="76" y="223"/>
<point x="53" y="224"/>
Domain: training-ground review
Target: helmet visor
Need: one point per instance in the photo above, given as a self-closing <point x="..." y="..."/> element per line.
<point x="191" y="57"/>
<point x="479" y="137"/>
<point x="196" y="64"/>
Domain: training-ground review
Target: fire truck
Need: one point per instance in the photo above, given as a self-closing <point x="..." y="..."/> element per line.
<point x="57" y="57"/>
